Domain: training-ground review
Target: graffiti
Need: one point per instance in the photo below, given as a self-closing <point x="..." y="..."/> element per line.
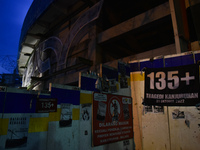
<point x="52" y="43"/>
<point x="42" y="60"/>
<point x="85" y="18"/>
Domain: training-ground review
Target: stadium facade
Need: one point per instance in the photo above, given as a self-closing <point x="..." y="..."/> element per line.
<point x="61" y="38"/>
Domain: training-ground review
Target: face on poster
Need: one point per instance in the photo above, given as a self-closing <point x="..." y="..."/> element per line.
<point x="112" y="118"/>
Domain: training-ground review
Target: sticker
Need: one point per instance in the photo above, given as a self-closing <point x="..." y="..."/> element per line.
<point x="177" y="114"/>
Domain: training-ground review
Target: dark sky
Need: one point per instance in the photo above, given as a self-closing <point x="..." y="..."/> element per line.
<point x="12" y="14"/>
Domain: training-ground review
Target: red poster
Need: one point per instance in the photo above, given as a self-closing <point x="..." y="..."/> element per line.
<point x="112" y="118"/>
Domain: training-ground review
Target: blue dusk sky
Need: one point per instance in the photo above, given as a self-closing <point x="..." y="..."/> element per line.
<point x="12" y="14"/>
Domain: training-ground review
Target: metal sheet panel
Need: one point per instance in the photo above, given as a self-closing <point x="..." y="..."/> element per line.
<point x="2" y="99"/>
<point x="179" y="61"/>
<point x="66" y="96"/>
<point x="21" y="102"/>
<point x="88" y="83"/>
<point x="157" y="63"/>
<point x="134" y="67"/>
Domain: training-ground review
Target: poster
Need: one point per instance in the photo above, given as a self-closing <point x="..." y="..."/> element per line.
<point x="124" y="74"/>
<point x="66" y="115"/>
<point x="109" y="79"/>
<point x="112" y="118"/>
<point x="153" y="109"/>
<point x="172" y="86"/>
<point x="126" y="145"/>
<point x="17" y="132"/>
<point x="85" y="112"/>
<point x="113" y="85"/>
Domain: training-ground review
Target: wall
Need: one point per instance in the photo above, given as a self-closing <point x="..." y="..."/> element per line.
<point x="42" y="130"/>
<point x="66" y="128"/>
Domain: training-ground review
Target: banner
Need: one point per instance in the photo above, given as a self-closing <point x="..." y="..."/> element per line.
<point x="173" y="86"/>
<point x="112" y="118"/>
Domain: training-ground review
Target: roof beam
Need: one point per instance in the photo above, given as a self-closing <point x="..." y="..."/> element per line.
<point x="43" y="24"/>
<point x="36" y="36"/>
<point x="28" y="45"/>
<point x="89" y="2"/>
<point x="175" y="26"/>
<point x="134" y="23"/>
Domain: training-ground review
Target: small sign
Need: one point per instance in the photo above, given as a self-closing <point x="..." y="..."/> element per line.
<point x="45" y="105"/>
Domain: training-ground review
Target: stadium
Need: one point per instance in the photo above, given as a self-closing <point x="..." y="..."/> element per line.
<point x="102" y="60"/>
<point x="61" y="38"/>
